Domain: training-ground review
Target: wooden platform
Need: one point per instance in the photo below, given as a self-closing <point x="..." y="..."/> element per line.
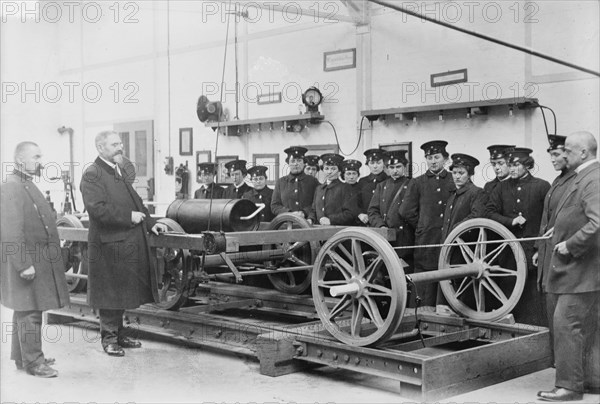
<point x="434" y="358"/>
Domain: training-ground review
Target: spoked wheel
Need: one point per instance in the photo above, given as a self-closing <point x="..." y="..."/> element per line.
<point x="495" y="291"/>
<point x="300" y="253"/>
<point x="74" y="255"/>
<point x="359" y="287"/>
<point x="173" y="270"/>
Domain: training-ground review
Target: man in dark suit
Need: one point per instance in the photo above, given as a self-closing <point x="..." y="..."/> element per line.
<point x="517" y="204"/>
<point x="376" y="164"/>
<point x="261" y="193"/>
<point x="294" y="192"/>
<point x="206" y="175"/>
<point x="121" y="266"/>
<point x="499" y="161"/>
<point x="543" y="255"/>
<point x="573" y="278"/>
<point x="32" y="277"/>
<point x="423" y="208"/>
<point x="238" y="172"/>
<point x="334" y="203"/>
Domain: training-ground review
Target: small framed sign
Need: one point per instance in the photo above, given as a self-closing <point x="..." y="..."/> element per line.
<point x="447" y="78"/>
<point x="186" y="142"/>
<point x="339" y="60"/>
<point x="270" y="98"/>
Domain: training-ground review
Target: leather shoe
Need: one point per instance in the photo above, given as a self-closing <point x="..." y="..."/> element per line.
<point x="591" y="390"/>
<point x="559" y="394"/>
<point x="47" y="361"/>
<point x="114" y="350"/>
<point x="42" y="370"/>
<point x="127" y="342"/>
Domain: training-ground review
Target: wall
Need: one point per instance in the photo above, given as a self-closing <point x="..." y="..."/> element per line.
<point x="165" y="55"/>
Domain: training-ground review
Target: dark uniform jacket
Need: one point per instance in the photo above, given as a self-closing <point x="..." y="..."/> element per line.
<point x="423" y="207"/>
<point x="465" y="203"/>
<point x="578" y="223"/>
<point x="545" y="247"/>
<point x="294" y="193"/>
<point x="212" y="191"/>
<point x="121" y="267"/>
<point x="263" y="196"/>
<point x="367" y="189"/>
<point x="384" y="210"/>
<point x="355" y="189"/>
<point x="334" y="201"/>
<point x="514" y="197"/>
<point x="29" y="237"/>
<point x="231" y="192"/>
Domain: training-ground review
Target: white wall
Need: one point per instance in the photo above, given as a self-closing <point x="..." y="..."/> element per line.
<point x="396" y="54"/>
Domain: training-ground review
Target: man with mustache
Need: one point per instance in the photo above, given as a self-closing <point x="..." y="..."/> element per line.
<point x="32" y="276"/>
<point x="121" y="267"/>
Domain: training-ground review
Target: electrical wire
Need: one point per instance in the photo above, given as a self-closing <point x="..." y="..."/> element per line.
<point x="337" y="140"/>
<point x="542" y="107"/>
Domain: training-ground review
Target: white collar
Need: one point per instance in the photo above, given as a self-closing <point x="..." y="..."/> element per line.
<point x="584" y="165"/>
<point x="114" y="166"/>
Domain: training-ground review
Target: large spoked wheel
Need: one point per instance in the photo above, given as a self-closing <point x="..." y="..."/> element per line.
<point x="173" y="270"/>
<point x="74" y="255"/>
<point x="364" y="272"/>
<point x="300" y="253"/>
<point x="495" y="291"/>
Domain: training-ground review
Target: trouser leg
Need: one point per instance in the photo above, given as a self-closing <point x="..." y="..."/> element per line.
<point x="550" y="299"/>
<point x="573" y="325"/>
<point x="27" y="341"/>
<point x="111" y="322"/>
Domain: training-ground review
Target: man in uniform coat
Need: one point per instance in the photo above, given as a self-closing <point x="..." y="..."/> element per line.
<point x="237" y="171"/>
<point x="423" y="208"/>
<point x="516" y="204"/>
<point x="573" y="277"/>
<point x="350" y="175"/>
<point x="261" y="193"/>
<point x="311" y="166"/>
<point x="334" y="203"/>
<point x="32" y="276"/>
<point x="498" y="160"/>
<point x="541" y="258"/>
<point x="121" y="266"/>
<point x="294" y="192"/>
<point x="206" y="175"/>
<point x="377" y="174"/>
<point x="384" y="209"/>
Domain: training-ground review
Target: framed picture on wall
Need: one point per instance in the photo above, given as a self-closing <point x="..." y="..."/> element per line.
<point x="186" y="142"/>
<point x="339" y="60"/>
<point x="222" y="175"/>
<point x="271" y="161"/>
<point x="202" y="156"/>
<point x="401" y="146"/>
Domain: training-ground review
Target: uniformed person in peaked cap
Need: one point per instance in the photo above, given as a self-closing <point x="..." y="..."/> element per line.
<point x="351" y="175"/>
<point x="516" y="204"/>
<point x="499" y="162"/>
<point x="545" y="247"/>
<point x="376" y="164"/>
<point x="294" y="192"/>
<point x="334" y="202"/>
<point x="237" y="171"/>
<point x="423" y="207"/>
<point x="261" y="193"/>
<point x="311" y="165"/>
<point x="206" y="176"/>
<point x="384" y="209"/>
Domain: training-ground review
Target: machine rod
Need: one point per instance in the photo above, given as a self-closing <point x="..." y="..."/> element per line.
<point x="265" y="271"/>
<point x="248" y="256"/>
<point x="518" y="240"/>
<point x="444" y="274"/>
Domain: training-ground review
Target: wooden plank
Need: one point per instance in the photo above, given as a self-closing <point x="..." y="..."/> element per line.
<point x="243" y="122"/>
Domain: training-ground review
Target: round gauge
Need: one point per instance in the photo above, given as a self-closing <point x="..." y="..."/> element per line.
<point x="312" y="98"/>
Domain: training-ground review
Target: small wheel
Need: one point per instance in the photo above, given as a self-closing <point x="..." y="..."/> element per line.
<point x="74" y="253"/>
<point x="497" y="289"/>
<point x="173" y="272"/>
<point x="300" y="253"/>
<point x="364" y="272"/>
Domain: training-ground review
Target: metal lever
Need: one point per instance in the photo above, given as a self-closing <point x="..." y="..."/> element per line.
<point x="261" y="206"/>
